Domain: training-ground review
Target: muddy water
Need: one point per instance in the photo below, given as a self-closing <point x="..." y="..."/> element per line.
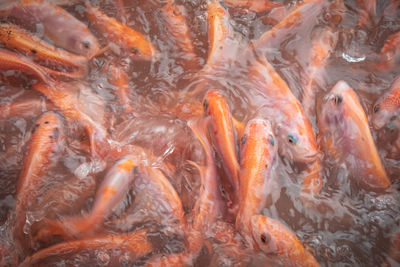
<point x="348" y="227"/>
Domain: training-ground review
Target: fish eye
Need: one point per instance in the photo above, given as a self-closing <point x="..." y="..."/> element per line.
<point x="264" y="239"/>
<point x="292" y="139"/>
<point x="337" y="100"/>
<point x="271" y="140"/>
<point x="376" y="108"/>
<point x="86" y="44"/>
<point x="243" y="141"/>
<point x="205" y="104"/>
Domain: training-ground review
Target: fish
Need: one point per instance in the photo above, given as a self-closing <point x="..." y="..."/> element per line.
<point x="44" y="148"/>
<point x="207" y="208"/>
<point x="223" y="135"/>
<point x="292" y="129"/>
<point x="137" y="244"/>
<point x="76" y="38"/>
<point x="120" y="34"/>
<point x="257" y="154"/>
<point x="25" y="107"/>
<point x="253" y="5"/>
<point x="13" y="61"/>
<point x="13" y="37"/>
<point x="345" y="134"/>
<point x="178" y="31"/>
<point x="155" y="200"/>
<point x="111" y="191"/>
<point x="387" y="108"/>
<point x="389" y="55"/>
<point x="324" y="41"/>
<point x="303" y="16"/>
<point x="80" y="104"/>
<point x="366" y="13"/>
<point x="119" y="78"/>
<point x="273" y="237"/>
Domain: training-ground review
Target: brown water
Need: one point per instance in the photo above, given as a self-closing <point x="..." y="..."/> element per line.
<point x="351" y="227"/>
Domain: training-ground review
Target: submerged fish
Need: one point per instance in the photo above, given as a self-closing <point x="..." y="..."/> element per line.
<point x="75" y="38"/>
<point x="137" y="244"/>
<point x="122" y="35"/>
<point x="111" y="192"/>
<point x="45" y="143"/>
<point x="258" y="151"/>
<point x="273" y="237"/>
<point x="345" y="134"/>
<point x="254" y="5"/>
<point x="387" y="107"/>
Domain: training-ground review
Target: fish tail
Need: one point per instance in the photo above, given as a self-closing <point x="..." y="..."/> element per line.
<point x="199" y="128"/>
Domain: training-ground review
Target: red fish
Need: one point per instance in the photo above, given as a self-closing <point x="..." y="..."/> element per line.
<point x="208" y="206"/>
<point x="79" y="104"/>
<point x="272" y="236"/>
<point x="12" y="61"/>
<point x="45" y="143"/>
<point x="177" y="29"/>
<point x="387" y="107"/>
<point x="16" y="38"/>
<point x="345" y="134"/>
<point x="119" y="78"/>
<point x="305" y="15"/>
<point x="292" y="129"/>
<point x="366" y="12"/>
<point x="389" y="56"/>
<point x="26" y="107"/>
<point x="258" y="151"/>
<point x="111" y="192"/>
<point x="223" y="135"/>
<point x="122" y="35"/>
<point x="75" y="38"/>
<point x="323" y="42"/>
<point x="137" y="244"/>
<point x="254" y="5"/>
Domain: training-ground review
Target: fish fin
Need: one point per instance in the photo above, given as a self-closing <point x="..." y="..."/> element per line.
<point x="200" y="168"/>
<point x="199" y="128"/>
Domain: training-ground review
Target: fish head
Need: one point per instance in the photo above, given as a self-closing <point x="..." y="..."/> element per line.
<point x="83" y="44"/>
<point x="387" y="107"/>
<point x="297" y="140"/>
<point x="213" y="100"/>
<point x="265" y="233"/>
<point x="259" y="128"/>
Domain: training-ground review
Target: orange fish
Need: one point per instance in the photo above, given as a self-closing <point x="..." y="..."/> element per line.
<point x="111" y="192"/>
<point x="389" y="56"/>
<point x="26" y="107"/>
<point x="208" y="205"/>
<point x="304" y="15"/>
<point x="292" y="129"/>
<point x="137" y="244"/>
<point x="122" y="35"/>
<point x="80" y="104"/>
<point x="75" y="38"/>
<point x="223" y="135"/>
<point x="345" y="134"/>
<point x="254" y="5"/>
<point x="177" y="29"/>
<point x="324" y="40"/>
<point x="119" y="78"/>
<point x="13" y="61"/>
<point x="272" y="236"/>
<point x="45" y="143"/>
<point x="16" y="38"/>
<point x="387" y="107"/>
<point x="258" y="151"/>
